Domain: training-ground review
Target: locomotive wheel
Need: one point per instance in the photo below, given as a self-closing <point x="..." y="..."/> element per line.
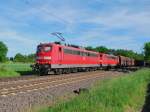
<point x="90" y="69"/>
<point x="42" y="73"/>
<point x="94" y="69"/>
<point x="58" y="71"/>
<point x="74" y="70"/>
<point x="86" y="69"/>
<point x="65" y="71"/>
<point x="68" y="70"/>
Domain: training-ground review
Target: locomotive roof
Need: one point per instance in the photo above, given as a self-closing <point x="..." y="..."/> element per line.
<point x="79" y="48"/>
<point x="66" y="46"/>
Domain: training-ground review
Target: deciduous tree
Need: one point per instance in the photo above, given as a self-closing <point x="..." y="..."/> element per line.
<point x="3" y="52"/>
<point x="147" y="51"/>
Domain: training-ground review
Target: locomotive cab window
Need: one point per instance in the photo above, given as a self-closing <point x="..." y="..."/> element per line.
<point x="47" y="48"/>
<point x="39" y="48"/>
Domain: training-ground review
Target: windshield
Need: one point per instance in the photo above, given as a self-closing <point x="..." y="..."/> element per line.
<point x="44" y="48"/>
<point x="47" y="48"/>
<point x="39" y="48"/>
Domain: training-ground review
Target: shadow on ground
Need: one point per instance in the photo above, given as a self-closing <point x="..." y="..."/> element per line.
<point x="146" y="107"/>
<point x="26" y="73"/>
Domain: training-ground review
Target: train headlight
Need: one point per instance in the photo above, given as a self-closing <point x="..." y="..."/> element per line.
<point x="47" y="58"/>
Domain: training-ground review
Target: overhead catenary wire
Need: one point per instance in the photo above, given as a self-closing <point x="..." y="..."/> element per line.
<point x="62" y="20"/>
<point x="56" y="16"/>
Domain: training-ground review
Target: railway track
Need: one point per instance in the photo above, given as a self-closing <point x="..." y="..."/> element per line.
<point x="47" y="82"/>
<point x="18" y="80"/>
<point x="10" y="80"/>
<point x="37" y="77"/>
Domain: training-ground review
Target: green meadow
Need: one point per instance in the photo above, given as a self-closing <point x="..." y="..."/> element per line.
<point x="13" y="69"/>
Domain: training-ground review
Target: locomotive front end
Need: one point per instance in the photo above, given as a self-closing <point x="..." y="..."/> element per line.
<point x="43" y="58"/>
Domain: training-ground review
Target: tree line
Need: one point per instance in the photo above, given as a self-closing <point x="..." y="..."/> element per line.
<point x="17" y="58"/>
<point x="23" y="58"/>
<point x="31" y="57"/>
<point x="127" y="53"/>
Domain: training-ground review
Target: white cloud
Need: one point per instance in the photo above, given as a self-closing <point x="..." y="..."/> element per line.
<point x="17" y="42"/>
<point x="12" y="35"/>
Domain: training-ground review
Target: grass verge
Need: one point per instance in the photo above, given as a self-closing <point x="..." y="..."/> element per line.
<point x="13" y="69"/>
<point x="121" y="94"/>
<point x="6" y="72"/>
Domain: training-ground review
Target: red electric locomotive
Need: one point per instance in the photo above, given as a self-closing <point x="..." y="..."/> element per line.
<point x="57" y="58"/>
<point x="108" y="61"/>
<point x="52" y="57"/>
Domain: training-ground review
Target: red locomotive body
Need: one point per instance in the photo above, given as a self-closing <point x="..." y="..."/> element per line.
<point x="60" y="58"/>
<point x="109" y="60"/>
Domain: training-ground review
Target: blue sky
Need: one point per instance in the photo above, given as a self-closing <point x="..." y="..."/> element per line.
<point x="113" y="23"/>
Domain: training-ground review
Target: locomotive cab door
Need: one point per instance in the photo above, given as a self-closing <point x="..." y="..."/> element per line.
<point x="101" y="60"/>
<point x="60" y="55"/>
